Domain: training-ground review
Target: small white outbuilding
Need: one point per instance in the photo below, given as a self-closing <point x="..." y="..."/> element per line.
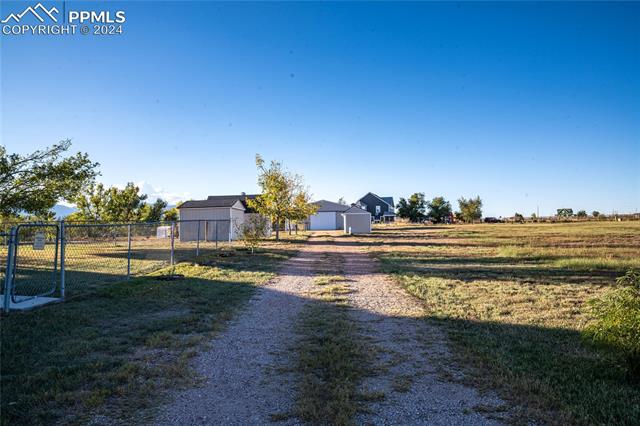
<point x="327" y="217"/>
<point x="356" y="221"/>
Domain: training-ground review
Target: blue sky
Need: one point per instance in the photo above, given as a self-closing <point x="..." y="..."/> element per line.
<point x="524" y="104"/>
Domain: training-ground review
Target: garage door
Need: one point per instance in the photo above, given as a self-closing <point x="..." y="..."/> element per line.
<point x="323" y="221"/>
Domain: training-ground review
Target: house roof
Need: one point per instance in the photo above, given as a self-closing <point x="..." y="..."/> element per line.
<point x="388" y="200"/>
<point x="329" y="206"/>
<point x="219" y="201"/>
<point x="356" y="210"/>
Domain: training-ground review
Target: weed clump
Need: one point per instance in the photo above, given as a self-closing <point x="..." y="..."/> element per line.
<point x="617" y="323"/>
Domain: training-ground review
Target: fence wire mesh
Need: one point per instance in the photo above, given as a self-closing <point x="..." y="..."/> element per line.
<point x="35" y="264"/>
<point x="4" y="245"/>
<point x="93" y="254"/>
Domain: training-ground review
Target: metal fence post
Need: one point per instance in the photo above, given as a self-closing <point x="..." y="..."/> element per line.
<point x="198" y="241"/>
<point x="230" y="230"/>
<point x="128" y="251"/>
<point x="63" y="243"/>
<point x="173" y="227"/>
<point x="206" y="230"/>
<point x="216" y="234"/>
<point x="8" y="277"/>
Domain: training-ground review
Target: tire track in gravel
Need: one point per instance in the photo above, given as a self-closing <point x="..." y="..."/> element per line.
<point x="409" y="353"/>
<point x="243" y="383"/>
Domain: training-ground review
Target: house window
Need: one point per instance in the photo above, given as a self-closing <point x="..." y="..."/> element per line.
<point x="378" y="208"/>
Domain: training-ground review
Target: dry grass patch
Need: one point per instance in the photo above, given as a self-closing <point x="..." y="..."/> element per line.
<point x="329" y="279"/>
<point x="332" y="356"/>
<point x="514" y="300"/>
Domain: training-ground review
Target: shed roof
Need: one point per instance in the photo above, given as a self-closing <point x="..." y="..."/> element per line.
<point x="219" y="201"/>
<point x="329" y="206"/>
<point x="356" y="210"/>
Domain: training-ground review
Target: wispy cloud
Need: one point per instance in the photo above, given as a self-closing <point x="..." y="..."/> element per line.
<point x="155" y="192"/>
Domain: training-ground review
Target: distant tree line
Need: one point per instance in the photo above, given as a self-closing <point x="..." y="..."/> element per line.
<point x="417" y="209"/>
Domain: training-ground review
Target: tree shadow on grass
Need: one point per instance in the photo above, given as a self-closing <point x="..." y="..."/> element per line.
<point x="111" y="347"/>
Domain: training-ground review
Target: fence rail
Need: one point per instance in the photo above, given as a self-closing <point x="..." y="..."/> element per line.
<point x="42" y="262"/>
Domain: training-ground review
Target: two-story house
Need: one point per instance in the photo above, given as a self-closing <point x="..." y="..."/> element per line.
<point x="382" y="209"/>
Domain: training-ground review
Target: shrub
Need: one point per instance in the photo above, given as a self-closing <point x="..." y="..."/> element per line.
<point x="617" y="321"/>
<point x="254" y="229"/>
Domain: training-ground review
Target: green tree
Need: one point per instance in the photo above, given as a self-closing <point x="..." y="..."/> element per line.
<point x="341" y="200"/>
<point x="301" y="209"/>
<point x="91" y="204"/>
<point x="438" y="209"/>
<point x="470" y="209"/>
<point x="534" y="217"/>
<point x="35" y="182"/>
<point x="125" y="205"/>
<point x="280" y="190"/>
<point x="595" y="213"/>
<point x="518" y="218"/>
<point x="171" y="215"/>
<point x="581" y="214"/>
<point x="102" y="204"/>
<point x="153" y="212"/>
<point x="413" y="208"/>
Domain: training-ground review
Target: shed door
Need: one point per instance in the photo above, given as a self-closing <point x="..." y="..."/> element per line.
<point x="323" y="221"/>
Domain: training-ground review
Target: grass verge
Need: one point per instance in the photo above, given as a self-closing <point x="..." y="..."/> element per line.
<point x="332" y="357"/>
<point x="114" y="351"/>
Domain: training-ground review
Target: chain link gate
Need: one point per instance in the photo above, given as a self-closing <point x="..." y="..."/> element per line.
<point x="32" y="264"/>
<point x="44" y="262"/>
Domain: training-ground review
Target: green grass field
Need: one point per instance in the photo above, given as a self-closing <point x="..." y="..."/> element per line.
<point x="514" y="300"/>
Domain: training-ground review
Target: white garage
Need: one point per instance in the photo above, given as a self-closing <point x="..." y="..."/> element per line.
<point x="323" y="221"/>
<point x="328" y="217"/>
<point x="356" y="221"/>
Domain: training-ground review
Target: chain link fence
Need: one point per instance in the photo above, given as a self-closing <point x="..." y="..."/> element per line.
<point x="4" y="244"/>
<point x="57" y="260"/>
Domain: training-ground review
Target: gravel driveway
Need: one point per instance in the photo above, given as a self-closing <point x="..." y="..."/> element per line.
<point x="243" y="382"/>
<point x="244" y="385"/>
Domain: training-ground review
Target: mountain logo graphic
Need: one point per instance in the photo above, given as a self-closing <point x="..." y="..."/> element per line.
<point x="34" y="11"/>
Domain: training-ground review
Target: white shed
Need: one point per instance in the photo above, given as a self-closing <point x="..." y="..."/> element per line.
<point x="328" y="216"/>
<point x="356" y="221"/>
<point x="215" y="219"/>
